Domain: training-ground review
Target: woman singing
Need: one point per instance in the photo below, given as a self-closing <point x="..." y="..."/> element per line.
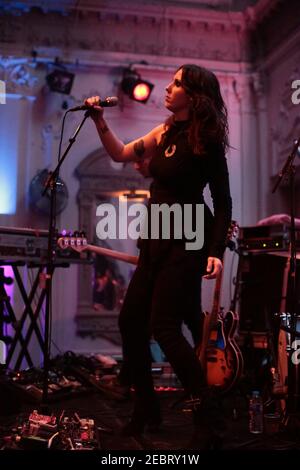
<point x="185" y="153"/>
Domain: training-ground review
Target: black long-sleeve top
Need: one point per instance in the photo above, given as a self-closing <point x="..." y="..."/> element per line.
<point x="182" y="176"/>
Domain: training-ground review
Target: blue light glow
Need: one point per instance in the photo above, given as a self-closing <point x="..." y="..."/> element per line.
<point x="8" y="160"/>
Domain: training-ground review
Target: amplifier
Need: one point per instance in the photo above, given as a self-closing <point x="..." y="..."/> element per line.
<point x="266" y="238"/>
<point x="27" y="244"/>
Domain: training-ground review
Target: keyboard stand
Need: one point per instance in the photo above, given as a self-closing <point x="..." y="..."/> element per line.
<point x="11" y="318"/>
<point x="29" y="312"/>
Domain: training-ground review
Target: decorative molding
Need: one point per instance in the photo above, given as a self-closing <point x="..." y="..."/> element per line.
<point x="209" y="32"/>
<point x="20" y="77"/>
<point x="65" y="6"/>
<point x="129" y="28"/>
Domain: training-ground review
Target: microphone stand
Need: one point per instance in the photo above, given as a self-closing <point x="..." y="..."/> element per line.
<point x="293" y="400"/>
<point x="51" y="184"/>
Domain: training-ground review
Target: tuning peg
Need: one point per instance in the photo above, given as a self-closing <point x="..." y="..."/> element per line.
<point x="78" y="241"/>
<point x="66" y="241"/>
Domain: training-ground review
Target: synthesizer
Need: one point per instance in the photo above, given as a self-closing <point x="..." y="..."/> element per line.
<point x="31" y="246"/>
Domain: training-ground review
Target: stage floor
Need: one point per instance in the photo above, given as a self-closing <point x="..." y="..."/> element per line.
<point x="176" y="430"/>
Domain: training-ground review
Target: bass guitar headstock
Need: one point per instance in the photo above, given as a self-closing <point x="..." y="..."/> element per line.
<point x="76" y="241"/>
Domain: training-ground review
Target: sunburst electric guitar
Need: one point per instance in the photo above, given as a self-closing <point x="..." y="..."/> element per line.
<point x="218" y="352"/>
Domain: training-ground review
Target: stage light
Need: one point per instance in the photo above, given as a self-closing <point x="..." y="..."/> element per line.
<point x="136" y="88"/>
<point x="60" y="81"/>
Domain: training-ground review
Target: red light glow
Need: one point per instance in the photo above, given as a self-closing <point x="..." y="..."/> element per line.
<point x="141" y="92"/>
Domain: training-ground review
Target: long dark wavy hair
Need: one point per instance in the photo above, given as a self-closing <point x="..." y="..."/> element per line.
<point x="208" y="113"/>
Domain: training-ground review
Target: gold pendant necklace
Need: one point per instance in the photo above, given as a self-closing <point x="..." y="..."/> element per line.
<point x="169" y="152"/>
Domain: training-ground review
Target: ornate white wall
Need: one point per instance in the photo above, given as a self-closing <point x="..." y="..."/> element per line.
<point x="96" y="43"/>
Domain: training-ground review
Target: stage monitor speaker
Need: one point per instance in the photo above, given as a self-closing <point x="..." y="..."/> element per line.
<point x="260" y="283"/>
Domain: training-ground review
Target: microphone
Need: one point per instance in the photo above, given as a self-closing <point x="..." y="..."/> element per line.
<point x="107" y="103"/>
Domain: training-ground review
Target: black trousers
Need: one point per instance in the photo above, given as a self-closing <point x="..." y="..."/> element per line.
<point x="159" y="298"/>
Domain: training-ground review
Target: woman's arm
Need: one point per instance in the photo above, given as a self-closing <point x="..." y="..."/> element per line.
<point x="220" y="193"/>
<point x="222" y="203"/>
<point x="143" y="147"/>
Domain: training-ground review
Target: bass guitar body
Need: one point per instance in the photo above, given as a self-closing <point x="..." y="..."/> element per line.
<point x="221" y="359"/>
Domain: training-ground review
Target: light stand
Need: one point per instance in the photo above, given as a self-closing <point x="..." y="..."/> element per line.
<point x="51" y="184"/>
<point x="293" y="401"/>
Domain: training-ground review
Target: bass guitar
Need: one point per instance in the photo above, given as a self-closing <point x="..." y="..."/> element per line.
<point x="219" y="354"/>
<point x="80" y="244"/>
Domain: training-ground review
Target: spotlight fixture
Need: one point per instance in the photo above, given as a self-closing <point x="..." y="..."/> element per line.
<point x="136" y="88"/>
<point x="60" y="81"/>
